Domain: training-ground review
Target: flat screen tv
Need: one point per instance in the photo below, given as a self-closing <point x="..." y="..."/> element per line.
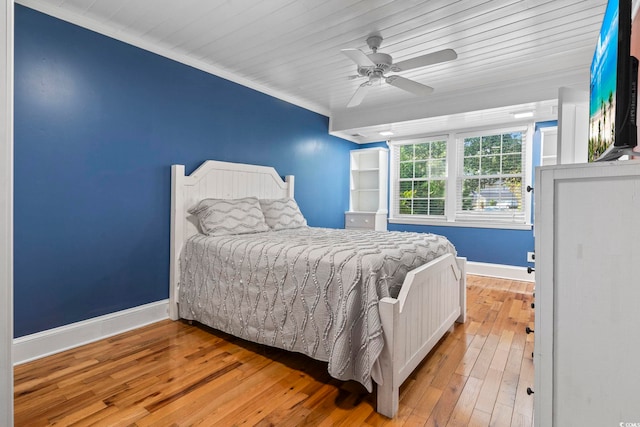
<point x="613" y="92"/>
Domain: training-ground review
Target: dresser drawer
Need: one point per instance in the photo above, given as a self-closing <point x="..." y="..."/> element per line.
<point x="360" y="220"/>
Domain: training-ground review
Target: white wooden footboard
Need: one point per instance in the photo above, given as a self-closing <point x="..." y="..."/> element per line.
<point x="432" y="298"/>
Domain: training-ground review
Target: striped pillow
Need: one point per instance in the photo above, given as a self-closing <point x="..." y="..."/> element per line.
<point x="282" y="213"/>
<point x="222" y="217"/>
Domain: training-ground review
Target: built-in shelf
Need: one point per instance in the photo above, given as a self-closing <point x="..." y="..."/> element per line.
<point x="549" y="146"/>
<point x="368" y="185"/>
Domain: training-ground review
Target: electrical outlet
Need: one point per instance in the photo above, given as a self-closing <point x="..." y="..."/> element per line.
<point x="531" y="257"/>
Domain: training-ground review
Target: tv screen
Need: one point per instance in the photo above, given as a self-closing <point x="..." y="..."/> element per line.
<point x="612" y="106"/>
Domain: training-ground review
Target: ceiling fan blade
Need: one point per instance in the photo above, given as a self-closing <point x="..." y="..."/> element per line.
<point x="359" y="57"/>
<point x="361" y="92"/>
<point x="424" y="60"/>
<point x="409" y="85"/>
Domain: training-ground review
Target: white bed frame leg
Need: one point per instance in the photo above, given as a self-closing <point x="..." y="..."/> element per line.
<point x="462" y="266"/>
<point x="177" y="237"/>
<point x="388" y="398"/>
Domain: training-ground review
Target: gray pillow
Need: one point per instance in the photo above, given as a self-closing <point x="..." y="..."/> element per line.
<point x="282" y="213"/>
<point x="222" y="217"/>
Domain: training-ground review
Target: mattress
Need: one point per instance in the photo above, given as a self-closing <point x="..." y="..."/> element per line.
<point x="309" y="290"/>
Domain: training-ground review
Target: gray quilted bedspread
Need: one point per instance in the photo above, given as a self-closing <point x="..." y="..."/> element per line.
<point x="310" y="290"/>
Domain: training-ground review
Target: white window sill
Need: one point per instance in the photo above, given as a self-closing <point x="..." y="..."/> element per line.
<point x="461" y="223"/>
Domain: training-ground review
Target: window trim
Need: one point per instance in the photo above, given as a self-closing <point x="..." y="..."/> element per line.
<point x="452" y="176"/>
<point x="462" y="223"/>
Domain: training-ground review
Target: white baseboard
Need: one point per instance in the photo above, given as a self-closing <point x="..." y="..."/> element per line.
<point x="45" y="343"/>
<point x="500" y="271"/>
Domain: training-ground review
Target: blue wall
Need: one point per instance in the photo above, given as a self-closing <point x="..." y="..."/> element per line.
<point x="97" y="125"/>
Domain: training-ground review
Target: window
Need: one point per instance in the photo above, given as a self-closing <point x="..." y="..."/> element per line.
<point x="490" y="176"/>
<point x="422" y="178"/>
<point x="461" y="178"/>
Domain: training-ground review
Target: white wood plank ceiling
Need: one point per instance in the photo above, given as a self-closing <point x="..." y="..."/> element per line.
<point x="512" y="54"/>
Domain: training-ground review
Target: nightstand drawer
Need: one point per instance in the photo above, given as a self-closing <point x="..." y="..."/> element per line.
<point x="366" y="220"/>
<point x="360" y="220"/>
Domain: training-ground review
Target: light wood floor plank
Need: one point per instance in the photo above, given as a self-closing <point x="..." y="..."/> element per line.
<point x="481" y="419"/>
<point x="444" y="408"/>
<point x="466" y="402"/>
<point x="177" y="374"/>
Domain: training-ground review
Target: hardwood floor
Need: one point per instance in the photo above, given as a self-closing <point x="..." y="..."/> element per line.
<point x="176" y="374"/>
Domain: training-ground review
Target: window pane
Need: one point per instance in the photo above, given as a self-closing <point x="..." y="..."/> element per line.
<point x="437" y="188"/>
<point x="470" y="186"/>
<point x="472" y="165"/>
<point x="436" y="207"/>
<point x="438" y="168"/>
<point x="472" y="146"/>
<point x="467" y="203"/>
<point x="489" y="182"/>
<point x="422" y="189"/>
<point x="406" y="152"/>
<point x="420" y="207"/>
<point x="491" y="144"/>
<point x="512" y="142"/>
<point x="515" y="186"/>
<point x="421" y="151"/>
<point x="487" y="195"/>
<point x="497" y="195"/>
<point x="490" y="165"/>
<point x="406" y="170"/>
<point x="469" y="190"/>
<point x="420" y="170"/>
<point x="405" y="207"/>
<point x="439" y="149"/>
<point x="512" y="164"/>
<point x="406" y="189"/>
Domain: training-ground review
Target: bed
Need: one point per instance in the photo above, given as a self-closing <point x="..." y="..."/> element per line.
<point x="326" y="293"/>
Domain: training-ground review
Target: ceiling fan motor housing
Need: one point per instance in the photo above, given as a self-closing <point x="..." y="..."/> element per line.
<point x="383" y="64"/>
<point x="382" y="60"/>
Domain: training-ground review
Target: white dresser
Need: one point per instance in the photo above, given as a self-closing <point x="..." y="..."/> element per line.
<point x="587" y="307"/>
<point x="369" y="174"/>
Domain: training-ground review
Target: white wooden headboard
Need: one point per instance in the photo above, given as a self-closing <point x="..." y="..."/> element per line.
<point x="217" y="180"/>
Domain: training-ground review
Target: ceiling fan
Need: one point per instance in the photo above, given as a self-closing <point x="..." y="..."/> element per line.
<point x="374" y="65"/>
